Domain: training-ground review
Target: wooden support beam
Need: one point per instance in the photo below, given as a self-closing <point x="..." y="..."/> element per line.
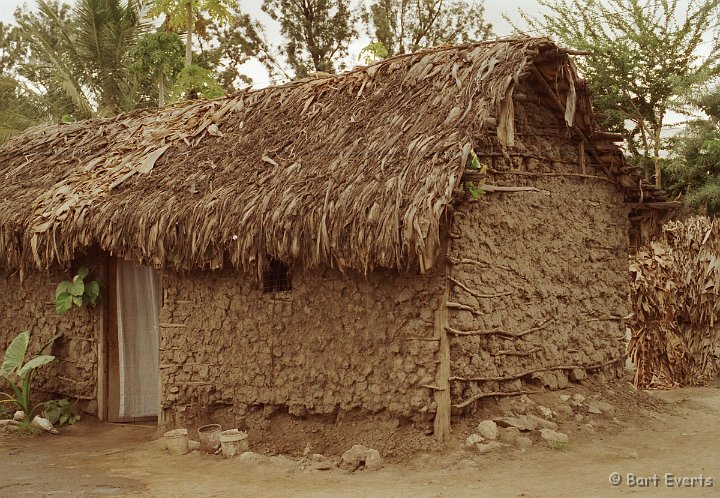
<point x="441" y="427"/>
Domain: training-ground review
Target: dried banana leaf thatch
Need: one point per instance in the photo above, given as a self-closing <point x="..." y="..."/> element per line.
<point x="352" y="171"/>
<point x="676" y="300"/>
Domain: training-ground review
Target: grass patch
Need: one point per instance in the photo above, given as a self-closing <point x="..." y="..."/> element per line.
<point x="28" y="429"/>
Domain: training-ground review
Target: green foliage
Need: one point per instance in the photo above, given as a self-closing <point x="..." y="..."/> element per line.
<point x="188" y="16"/>
<point x="10" y="49"/>
<point x="372" y="52"/>
<point x="20" y="107"/>
<point x="645" y="54"/>
<point x="19" y="374"/>
<point x="157" y="57"/>
<point x="175" y="11"/>
<point x="59" y="412"/>
<point x="79" y="58"/>
<point x="76" y="292"/>
<point x="195" y="82"/>
<point x="694" y="166"/>
<point x="316" y="33"/>
<point x="406" y="26"/>
<point x="475" y="190"/>
<point x="476" y="164"/>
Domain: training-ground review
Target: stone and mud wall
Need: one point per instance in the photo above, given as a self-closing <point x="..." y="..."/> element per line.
<point x="30" y="305"/>
<point x="538" y="279"/>
<point x="332" y="344"/>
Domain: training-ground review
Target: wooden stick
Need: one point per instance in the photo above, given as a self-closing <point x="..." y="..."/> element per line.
<point x="459" y="261"/>
<point x="572" y="175"/>
<point x="498" y="188"/>
<point x="500" y="331"/>
<point x="536" y="370"/>
<point x="476" y="397"/>
<point x="441" y="424"/>
<point x="517" y="353"/>
<point x="463" y="307"/>
<point x="476" y="293"/>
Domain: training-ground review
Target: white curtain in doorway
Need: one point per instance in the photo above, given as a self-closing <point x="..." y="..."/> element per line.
<point x="138" y="306"/>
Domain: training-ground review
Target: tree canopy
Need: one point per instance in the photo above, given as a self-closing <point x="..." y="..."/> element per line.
<point x="406" y="26"/>
<point x="645" y="56"/>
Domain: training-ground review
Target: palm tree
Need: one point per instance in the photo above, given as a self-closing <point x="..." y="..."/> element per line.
<point x="83" y="55"/>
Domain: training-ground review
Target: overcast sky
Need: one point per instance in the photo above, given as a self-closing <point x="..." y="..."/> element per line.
<point x="494" y="8"/>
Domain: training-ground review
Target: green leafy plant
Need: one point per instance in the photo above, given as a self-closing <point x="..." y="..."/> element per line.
<point x="372" y="52"/>
<point x="76" y="291"/>
<point x="478" y="170"/>
<point x="59" y="412"/>
<point x="19" y="374"/>
<point x="475" y="190"/>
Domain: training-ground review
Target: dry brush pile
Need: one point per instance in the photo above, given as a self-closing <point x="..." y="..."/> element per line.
<point x="676" y="303"/>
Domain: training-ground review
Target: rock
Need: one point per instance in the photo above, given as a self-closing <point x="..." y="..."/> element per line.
<point x="604" y="407"/>
<point x="521" y="422"/>
<point x="44" y="424"/>
<point x="324" y="465"/>
<point x="579" y="417"/>
<point x="565" y="397"/>
<point x="578" y="399"/>
<point x="552" y="436"/>
<point x="359" y="457"/>
<point x="488" y="429"/>
<point x="545" y="411"/>
<point x="542" y="423"/>
<point x="299" y="411"/>
<point x="473" y="439"/>
<point x="593" y="408"/>
<point x="374" y="460"/>
<point x="578" y="374"/>
<point x="268" y="411"/>
<point x="509" y="434"/>
<point x="564" y="410"/>
<point x="490" y="446"/>
<point x="523" y="442"/>
<point x="248" y="456"/>
<point x="19" y="416"/>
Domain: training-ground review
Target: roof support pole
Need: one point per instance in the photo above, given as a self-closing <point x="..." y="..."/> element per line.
<point x="442" y="377"/>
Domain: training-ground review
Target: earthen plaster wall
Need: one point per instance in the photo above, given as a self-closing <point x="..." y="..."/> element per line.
<point x="30" y="305"/>
<point x="333" y="343"/>
<point x="549" y="267"/>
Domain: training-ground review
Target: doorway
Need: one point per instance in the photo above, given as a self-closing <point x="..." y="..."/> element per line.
<point x="132" y="340"/>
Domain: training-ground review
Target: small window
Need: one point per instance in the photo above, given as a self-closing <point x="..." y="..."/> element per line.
<point x="277" y="277"/>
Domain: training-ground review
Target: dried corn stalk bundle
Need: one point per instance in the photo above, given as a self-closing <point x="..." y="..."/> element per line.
<point x="676" y="300"/>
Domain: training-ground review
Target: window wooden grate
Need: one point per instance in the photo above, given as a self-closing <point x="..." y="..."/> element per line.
<point x="277" y="277"/>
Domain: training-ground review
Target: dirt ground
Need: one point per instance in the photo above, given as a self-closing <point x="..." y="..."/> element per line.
<point x="648" y="434"/>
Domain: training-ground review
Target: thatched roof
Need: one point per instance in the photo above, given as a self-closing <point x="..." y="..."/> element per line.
<point x="354" y="170"/>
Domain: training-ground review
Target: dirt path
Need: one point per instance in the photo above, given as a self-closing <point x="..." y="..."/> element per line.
<point x="95" y="459"/>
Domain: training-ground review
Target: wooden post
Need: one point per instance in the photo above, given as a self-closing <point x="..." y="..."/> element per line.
<point x="442" y="379"/>
<point x="581" y="157"/>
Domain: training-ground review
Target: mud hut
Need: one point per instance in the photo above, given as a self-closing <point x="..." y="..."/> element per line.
<point x="408" y="237"/>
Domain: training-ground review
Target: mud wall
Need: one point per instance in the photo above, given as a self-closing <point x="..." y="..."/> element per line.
<point x="333" y="343"/>
<point x="545" y="273"/>
<point x="30" y="305"/>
